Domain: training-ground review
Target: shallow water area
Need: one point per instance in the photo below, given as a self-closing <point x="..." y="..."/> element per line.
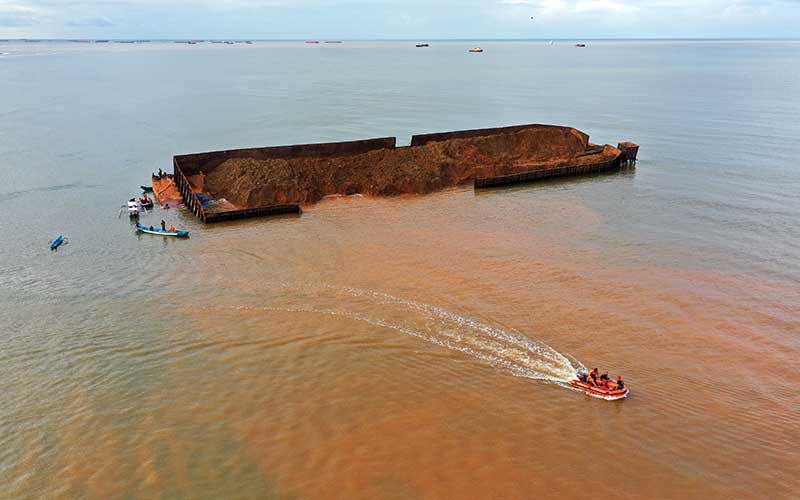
<point x="412" y="346"/>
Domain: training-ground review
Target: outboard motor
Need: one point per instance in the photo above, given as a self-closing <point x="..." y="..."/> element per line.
<point x="582" y="375"/>
<point x="133" y="209"/>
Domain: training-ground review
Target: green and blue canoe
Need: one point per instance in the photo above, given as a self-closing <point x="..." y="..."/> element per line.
<point x="157" y="230"/>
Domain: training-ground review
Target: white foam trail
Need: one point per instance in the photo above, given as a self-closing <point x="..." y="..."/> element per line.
<point x="522" y="356"/>
<point x="512" y="352"/>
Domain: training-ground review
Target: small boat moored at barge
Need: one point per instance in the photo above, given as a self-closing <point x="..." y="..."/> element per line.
<point x="157" y="230"/>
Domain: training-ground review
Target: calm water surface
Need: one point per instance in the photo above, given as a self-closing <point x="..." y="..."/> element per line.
<point x="411" y="347"/>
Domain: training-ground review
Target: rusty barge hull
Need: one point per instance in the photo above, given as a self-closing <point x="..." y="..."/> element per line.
<point x="547" y="173"/>
<point x="254" y="182"/>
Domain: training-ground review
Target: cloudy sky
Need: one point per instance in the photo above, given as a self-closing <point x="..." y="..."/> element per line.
<point x="376" y="19"/>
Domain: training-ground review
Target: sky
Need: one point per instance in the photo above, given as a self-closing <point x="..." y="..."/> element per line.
<point x="399" y="19"/>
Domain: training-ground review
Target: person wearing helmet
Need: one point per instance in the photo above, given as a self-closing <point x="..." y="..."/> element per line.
<point x="620" y="383"/>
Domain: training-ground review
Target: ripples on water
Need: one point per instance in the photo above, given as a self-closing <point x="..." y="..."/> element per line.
<point x="519" y="355"/>
<point x="303" y="358"/>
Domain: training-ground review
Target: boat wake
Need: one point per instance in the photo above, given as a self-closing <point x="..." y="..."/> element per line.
<point x="500" y="348"/>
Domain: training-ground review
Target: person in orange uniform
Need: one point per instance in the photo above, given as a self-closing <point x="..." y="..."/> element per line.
<point x="171" y="229"/>
<point x="593" y="377"/>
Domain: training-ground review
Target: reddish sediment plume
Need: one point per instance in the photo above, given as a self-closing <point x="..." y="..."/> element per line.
<point x="434" y="163"/>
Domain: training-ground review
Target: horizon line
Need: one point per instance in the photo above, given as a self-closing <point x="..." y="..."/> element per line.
<point x="397" y="39"/>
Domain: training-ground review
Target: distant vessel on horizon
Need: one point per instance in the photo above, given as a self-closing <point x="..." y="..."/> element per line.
<point x="476" y="49"/>
<point x="423" y="45"/>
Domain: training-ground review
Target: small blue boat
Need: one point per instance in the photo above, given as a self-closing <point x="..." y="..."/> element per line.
<point x="159" y="231"/>
<point x="57" y="242"/>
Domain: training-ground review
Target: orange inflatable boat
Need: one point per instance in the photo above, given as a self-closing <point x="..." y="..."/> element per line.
<point x="610" y="394"/>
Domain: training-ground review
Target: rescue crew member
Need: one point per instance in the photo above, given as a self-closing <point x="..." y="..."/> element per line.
<point x="620" y="383"/>
<point x="593" y="377"/>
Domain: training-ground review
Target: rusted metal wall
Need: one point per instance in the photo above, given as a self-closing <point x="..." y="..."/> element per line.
<point x="190" y="199"/>
<point x="205" y="162"/>
<point x="547" y="173"/>
<point x="629" y="151"/>
<point x="252" y="212"/>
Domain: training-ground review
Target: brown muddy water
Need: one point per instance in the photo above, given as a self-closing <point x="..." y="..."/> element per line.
<point x="406" y="347"/>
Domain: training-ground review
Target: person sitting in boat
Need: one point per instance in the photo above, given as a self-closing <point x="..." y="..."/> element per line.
<point x="171" y="229"/>
<point x="583" y="376"/>
<point x="593" y="376"/>
<point x="620" y="383"/>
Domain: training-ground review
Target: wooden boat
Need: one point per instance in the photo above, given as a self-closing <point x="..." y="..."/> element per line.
<point x="57" y="242"/>
<point x="157" y="230"/>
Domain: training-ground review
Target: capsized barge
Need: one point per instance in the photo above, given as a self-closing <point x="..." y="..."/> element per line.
<point x="241" y="183"/>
